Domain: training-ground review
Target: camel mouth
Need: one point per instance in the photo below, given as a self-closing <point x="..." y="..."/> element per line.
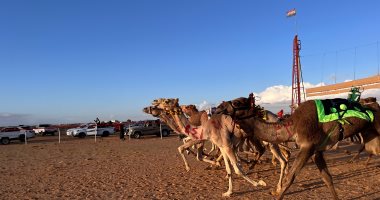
<point x="146" y="110"/>
<point x="152" y="110"/>
<point x="220" y="110"/>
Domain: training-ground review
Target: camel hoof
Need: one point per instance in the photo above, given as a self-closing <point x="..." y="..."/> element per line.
<point x="262" y="183"/>
<point x="187" y="169"/>
<point x="274" y="192"/>
<point x="210" y="167"/>
<point x="227" y="194"/>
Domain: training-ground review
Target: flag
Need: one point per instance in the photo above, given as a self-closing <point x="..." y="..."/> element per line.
<point x="291" y="12"/>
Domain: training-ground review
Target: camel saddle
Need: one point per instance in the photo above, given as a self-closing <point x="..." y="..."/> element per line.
<point x="338" y="109"/>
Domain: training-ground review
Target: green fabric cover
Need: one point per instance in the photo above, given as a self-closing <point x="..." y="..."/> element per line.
<point x="335" y="116"/>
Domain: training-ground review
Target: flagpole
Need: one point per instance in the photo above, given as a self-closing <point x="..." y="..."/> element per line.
<point x="296" y="24"/>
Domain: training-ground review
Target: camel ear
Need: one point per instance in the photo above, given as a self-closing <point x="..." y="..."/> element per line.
<point x="252" y="100"/>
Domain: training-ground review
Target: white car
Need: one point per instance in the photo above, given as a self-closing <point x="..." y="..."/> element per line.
<point x="45" y="129"/>
<point x="90" y="129"/>
<point x="14" y="133"/>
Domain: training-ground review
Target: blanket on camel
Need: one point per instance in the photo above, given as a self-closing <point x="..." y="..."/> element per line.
<point x="338" y="109"/>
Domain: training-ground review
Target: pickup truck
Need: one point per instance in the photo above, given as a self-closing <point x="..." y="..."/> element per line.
<point x="45" y="129"/>
<point x="149" y="128"/>
<point x="90" y="129"/>
<point x="14" y="133"/>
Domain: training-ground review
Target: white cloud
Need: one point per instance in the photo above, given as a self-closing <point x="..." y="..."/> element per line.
<point x="279" y="93"/>
<point x="7" y="119"/>
<point x="205" y="105"/>
<point x="279" y="97"/>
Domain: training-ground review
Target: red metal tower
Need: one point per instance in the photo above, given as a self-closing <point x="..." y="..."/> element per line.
<point x="297" y="75"/>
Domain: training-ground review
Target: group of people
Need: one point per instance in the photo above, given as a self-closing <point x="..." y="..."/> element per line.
<point x="122" y="131"/>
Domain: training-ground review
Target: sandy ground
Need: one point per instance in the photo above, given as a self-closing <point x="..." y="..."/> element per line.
<point x="151" y="168"/>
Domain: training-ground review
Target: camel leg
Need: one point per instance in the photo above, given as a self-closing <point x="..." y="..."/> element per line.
<point x="369" y="158"/>
<point x="274" y="162"/>
<point x="213" y="148"/>
<point x="182" y="148"/>
<point x="209" y="161"/>
<point x="229" y="175"/>
<point x="285" y="153"/>
<point x="283" y="164"/>
<point x="302" y="157"/>
<point x="232" y="158"/>
<point x="261" y="150"/>
<point x="326" y="177"/>
<point x="199" y="148"/>
<point x="336" y="146"/>
<point x="199" y="155"/>
<point x="357" y="154"/>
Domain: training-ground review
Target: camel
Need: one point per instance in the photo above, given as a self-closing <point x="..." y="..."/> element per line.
<point x="303" y="127"/>
<point x="188" y="141"/>
<point x="279" y="152"/>
<point x="197" y="118"/>
<point x="370" y="141"/>
<point x="219" y="129"/>
<point x="269" y="116"/>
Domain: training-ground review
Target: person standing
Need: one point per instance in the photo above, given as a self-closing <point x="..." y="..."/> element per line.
<point x="122" y="132"/>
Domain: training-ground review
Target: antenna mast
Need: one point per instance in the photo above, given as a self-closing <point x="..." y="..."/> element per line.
<point x="296" y="75"/>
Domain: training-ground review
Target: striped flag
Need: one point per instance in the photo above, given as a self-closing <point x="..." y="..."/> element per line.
<point x="291" y="12"/>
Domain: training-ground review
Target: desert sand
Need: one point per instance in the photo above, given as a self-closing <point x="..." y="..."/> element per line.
<point x="151" y="168"/>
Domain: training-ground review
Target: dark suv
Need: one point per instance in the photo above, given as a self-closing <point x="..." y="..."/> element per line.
<point x="150" y="127"/>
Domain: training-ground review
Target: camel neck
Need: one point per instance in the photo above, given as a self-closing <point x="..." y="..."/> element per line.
<point x="171" y="123"/>
<point x="195" y="132"/>
<point x="273" y="132"/>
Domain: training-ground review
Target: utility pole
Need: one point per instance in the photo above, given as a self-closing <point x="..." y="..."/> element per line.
<point x="297" y="80"/>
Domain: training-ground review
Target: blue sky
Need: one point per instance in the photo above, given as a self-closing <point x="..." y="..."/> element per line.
<point x="72" y="61"/>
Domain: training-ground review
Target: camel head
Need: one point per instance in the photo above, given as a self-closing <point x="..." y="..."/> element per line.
<point x="371" y="103"/>
<point x="189" y="109"/>
<point x="158" y="101"/>
<point x="152" y="110"/>
<point x="236" y="107"/>
<point x="167" y="104"/>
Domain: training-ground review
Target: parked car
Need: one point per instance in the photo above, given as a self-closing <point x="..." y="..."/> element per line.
<point x="14" y="133"/>
<point x="151" y="127"/>
<point x="45" y="129"/>
<point x="90" y="129"/>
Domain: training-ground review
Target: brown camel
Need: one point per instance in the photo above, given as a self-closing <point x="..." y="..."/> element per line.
<point x="370" y="143"/>
<point x="279" y="152"/>
<point x="219" y="129"/>
<point x="304" y="128"/>
<point x="370" y="140"/>
<point x="197" y="118"/>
